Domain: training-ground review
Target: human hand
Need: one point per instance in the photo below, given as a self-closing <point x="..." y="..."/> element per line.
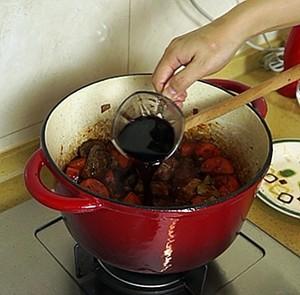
<point x="201" y="52"/>
<point x="208" y="49"/>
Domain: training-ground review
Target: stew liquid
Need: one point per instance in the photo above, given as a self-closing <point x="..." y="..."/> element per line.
<point x="196" y="173"/>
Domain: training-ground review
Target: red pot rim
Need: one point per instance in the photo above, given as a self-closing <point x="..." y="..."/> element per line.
<point x="116" y="203"/>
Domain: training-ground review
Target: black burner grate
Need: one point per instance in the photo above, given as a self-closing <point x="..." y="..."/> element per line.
<point x="96" y="277"/>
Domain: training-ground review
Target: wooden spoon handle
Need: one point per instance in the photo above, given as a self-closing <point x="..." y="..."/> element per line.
<point x="220" y="108"/>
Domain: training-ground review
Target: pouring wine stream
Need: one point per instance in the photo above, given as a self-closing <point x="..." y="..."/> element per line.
<point x="148" y="128"/>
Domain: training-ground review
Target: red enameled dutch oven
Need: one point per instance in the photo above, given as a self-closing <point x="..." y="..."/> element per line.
<point x="144" y="239"/>
<point x="291" y="58"/>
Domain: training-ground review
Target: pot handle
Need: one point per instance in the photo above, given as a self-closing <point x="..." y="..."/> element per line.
<point x="259" y="104"/>
<point x="49" y="198"/>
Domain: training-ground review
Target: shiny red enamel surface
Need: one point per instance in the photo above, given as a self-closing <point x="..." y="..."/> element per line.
<point x="140" y="239"/>
<point x="160" y="242"/>
<point x="291" y="58"/>
<point x="143" y="239"/>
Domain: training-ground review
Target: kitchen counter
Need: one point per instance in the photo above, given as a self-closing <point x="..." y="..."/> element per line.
<point x="283" y="119"/>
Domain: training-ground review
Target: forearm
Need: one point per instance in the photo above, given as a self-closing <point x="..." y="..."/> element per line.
<point x="209" y="48"/>
<point x="253" y="17"/>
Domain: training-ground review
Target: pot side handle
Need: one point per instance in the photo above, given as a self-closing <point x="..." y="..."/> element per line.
<point x="259" y="104"/>
<point x="49" y="198"/>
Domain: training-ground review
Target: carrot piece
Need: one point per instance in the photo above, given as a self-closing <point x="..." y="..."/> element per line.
<point x="77" y="163"/>
<point x="217" y="165"/>
<point x="186" y="149"/>
<point x="226" y="184"/>
<point x="223" y="190"/>
<point x="95" y="186"/>
<point x="115" y="196"/>
<point x="72" y="172"/>
<point x="123" y="161"/>
<point x="132" y="198"/>
<point x="206" y="150"/>
<point x="228" y="180"/>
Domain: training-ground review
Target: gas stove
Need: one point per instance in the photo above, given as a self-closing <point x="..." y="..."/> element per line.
<point x="38" y="256"/>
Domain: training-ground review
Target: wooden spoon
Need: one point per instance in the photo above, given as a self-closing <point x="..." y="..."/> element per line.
<point x="220" y="108"/>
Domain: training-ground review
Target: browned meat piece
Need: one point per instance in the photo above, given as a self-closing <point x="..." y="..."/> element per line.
<point x="97" y="164"/>
<point x="166" y="170"/>
<point x="130" y="181"/>
<point x="159" y="188"/>
<point x="112" y="183"/>
<point x="120" y="160"/>
<point x="186" y="169"/>
<point x="190" y="190"/>
<point x="207" y="188"/>
<point x="196" y="187"/>
<point x="125" y="181"/>
<point x="85" y="148"/>
<point x="110" y="178"/>
<point x="161" y="192"/>
<point x="139" y="187"/>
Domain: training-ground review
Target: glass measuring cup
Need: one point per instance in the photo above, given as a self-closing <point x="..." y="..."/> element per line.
<point x="147" y="103"/>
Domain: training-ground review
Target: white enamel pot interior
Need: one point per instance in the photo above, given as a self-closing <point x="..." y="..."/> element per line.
<point x="80" y="116"/>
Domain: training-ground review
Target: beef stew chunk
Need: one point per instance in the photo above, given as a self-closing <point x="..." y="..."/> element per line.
<point x="166" y="170"/>
<point x="197" y="173"/>
<point x="97" y="163"/>
<point x="85" y="148"/>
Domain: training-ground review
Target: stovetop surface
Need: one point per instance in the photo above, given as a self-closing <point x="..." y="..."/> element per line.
<point x="36" y="254"/>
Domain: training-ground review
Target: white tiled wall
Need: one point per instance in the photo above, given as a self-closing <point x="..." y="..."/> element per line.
<point x="155" y="23"/>
<point x="49" y="48"/>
